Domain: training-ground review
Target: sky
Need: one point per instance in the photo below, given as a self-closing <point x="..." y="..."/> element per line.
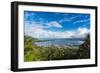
<point x="56" y="24"/>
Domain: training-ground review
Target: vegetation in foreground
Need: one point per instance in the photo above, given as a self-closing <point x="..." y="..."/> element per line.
<point x="36" y="53"/>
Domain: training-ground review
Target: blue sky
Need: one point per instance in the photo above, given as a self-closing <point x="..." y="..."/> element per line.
<point x="56" y="25"/>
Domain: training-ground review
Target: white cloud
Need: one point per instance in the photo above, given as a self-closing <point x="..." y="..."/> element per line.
<point x="81" y="33"/>
<point x="29" y="14"/>
<point x="54" y="24"/>
<point x="39" y="32"/>
<point x="69" y="19"/>
<point x="65" y="20"/>
<point x="81" y="21"/>
<point x="34" y="24"/>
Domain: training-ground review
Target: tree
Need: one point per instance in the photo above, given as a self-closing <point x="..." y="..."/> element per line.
<point x="84" y="49"/>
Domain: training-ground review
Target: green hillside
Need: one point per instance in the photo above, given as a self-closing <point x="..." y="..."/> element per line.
<point x="37" y="53"/>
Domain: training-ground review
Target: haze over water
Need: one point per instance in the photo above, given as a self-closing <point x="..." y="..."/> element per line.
<point x="60" y="42"/>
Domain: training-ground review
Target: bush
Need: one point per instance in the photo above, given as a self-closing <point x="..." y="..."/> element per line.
<point x="84" y="49"/>
<point x="36" y="53"/>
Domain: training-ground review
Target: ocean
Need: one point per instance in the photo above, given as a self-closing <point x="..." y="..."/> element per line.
<point x="60" y="42"/>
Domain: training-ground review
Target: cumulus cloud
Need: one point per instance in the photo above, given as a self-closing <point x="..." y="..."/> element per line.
<point x="54" y="24"/>
<point x="39" y="32"/>
<point x="81" y="33"/>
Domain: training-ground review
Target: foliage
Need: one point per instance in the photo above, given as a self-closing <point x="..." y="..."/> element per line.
<point x="84" y="50"/>
<point x="37" y="53"/>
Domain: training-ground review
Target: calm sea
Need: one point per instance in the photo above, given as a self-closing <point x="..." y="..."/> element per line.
<point x="60" y="42"/>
